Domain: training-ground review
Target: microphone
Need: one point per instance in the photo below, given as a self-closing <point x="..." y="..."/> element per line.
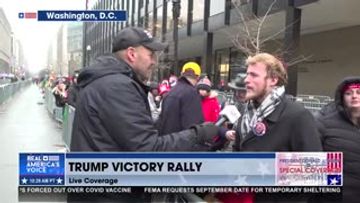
<point x="229" y="113"/>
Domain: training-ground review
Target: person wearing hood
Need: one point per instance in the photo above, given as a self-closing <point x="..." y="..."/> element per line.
<point x="340" y="131"/>
<point x="113" y="112"/>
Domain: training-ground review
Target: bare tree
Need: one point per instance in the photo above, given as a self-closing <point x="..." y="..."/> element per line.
<point x="252" y="36"/>
<point x="164" y="67"/>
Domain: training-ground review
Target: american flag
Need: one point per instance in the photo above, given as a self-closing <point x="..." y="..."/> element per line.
<point x="28" y="15"/>
<point x="54" y="158"/>
<point x="334" y="161"/>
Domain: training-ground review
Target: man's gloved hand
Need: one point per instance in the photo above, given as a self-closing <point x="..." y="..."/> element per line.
<point x="206" y="132"/>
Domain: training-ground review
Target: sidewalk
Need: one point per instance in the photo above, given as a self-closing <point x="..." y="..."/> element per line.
<point x="25" y="126"/>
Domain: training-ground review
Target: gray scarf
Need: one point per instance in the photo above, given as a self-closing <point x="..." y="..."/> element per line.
<point x="252" y="116"/>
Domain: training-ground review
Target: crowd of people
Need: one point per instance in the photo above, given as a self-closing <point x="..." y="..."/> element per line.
<point x="118" y="109"/>
<point x="6" y="78"/>
<point x="64" y="89"/>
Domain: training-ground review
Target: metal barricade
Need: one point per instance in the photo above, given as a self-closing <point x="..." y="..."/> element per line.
<point x="321" y="98"/>
<point x="301" y="99"/>
<point x="56" y="112"/>
<point x="230" y="98"/>
<point x="328" y="100"/>
<point x="313" y="103"/>
<point x="63" y="115"/>
<point x="313" y="107"/>
<point x="2" y="94"/>
<point x="10" y="89"/>
<point x="226" y="98"/>
<point x="69" y="115"/>
<point x="222" y="99"/>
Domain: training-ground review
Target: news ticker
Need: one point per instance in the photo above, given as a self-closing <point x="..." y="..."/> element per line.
<point x="75" y="15"/>
<point x="36" y="190"/>
<point x="181" y="169"/>
<point x="60" y="194"/>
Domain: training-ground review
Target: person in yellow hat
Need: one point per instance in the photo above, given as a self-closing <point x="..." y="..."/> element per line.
<point x="182" y="106"/>
<point x="191" y="67"/>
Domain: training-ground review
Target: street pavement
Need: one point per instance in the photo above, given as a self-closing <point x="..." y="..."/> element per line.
<point x="25" y="126"/>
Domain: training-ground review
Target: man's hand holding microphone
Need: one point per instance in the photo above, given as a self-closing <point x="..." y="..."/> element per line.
<point x="206" y="132"/>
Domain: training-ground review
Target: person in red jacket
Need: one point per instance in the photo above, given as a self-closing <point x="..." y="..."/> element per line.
<point x="209" y="102"/>
<point x="211" y="111"/>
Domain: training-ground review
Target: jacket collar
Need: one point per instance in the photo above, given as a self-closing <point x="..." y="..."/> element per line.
<point x="184" y="80"/>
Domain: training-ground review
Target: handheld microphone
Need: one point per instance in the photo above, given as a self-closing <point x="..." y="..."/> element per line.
<point x="229" y="113"/>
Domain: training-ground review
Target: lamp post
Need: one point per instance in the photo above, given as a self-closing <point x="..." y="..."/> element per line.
<point x="88" y="49"/>
<point x="12" y="55"/>
<point x="84" y="38"/>
<point x="176" y="15"/>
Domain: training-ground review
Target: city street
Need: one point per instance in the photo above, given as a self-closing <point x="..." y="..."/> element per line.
<point x="25" y="126"/>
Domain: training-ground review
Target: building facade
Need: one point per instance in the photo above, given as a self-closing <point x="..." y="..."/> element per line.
<point x="62" y="67"/>
<point x="18" y="63"/>
<point x="314" y="36"/>
<point x="5" y="44"/>
<point x="51" y="56"/>
<point x="18" y="53"/>
<point x="74" y="46"/>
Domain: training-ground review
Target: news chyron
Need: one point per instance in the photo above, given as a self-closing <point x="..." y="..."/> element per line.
<point x="75" y="15"/>
<point x="52" y="176"/>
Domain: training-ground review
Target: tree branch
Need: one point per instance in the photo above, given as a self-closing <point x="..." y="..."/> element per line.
<point x="261" y="24"/>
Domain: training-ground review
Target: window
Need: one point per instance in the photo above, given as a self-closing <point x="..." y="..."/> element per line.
<point x="136" y="12"/>
<point x="222" y="66"/>
<point x="150" y="21"/>
<point x="170" y="21"/>
<point x="198" y="10"/>
<point x="183" y="14"/>
<point x="151" y="5"/>
<point x="159" y="21"/>
<point x="238" y="3"/>
<point x="217" y="6"/>
<point x="237" y="62"/>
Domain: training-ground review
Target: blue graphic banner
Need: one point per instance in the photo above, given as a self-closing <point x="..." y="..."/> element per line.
<point x="41" y="169"/>
<point x="181" y="169"/>
<point x="81" y="15"/>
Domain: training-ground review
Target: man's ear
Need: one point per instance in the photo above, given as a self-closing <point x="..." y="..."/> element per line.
<point x="274" y="81"/>
<point x="131" y="54"/>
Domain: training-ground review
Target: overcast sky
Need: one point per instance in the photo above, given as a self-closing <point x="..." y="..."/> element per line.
<point x="36" y="36"/>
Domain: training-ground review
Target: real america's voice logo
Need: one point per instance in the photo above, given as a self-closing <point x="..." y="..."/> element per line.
<point x="41" y="169"/>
